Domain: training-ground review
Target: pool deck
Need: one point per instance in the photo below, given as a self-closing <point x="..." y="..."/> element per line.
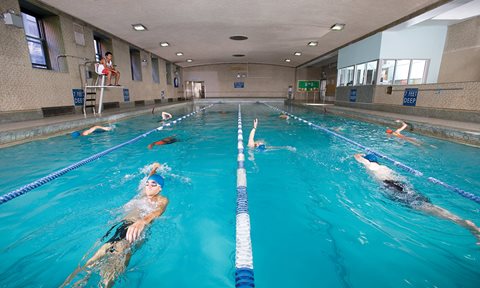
<point x="20" y="132"/>
<point x="461" y="132"/>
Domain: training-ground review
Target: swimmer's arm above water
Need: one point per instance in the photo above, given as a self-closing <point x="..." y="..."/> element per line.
<point x="359" y="158"/>
<point x="155" y="166"/>
<point x="251" y="138"/>
<point x="136" y="228"/>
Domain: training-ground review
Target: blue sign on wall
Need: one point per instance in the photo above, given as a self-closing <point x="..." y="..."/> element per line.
<point x="353" y="95"/>
<point x="238" y="84"/>
<point x="175" y="82"/>
<point x="126" y="95"/>
<point x="78" y="97"/>
<point x="410" y="96"/>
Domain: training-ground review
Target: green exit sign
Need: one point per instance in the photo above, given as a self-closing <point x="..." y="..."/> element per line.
<point x="308" y="85"/>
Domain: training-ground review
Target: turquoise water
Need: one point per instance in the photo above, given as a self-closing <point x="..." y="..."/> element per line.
<point x="318" y="219"/>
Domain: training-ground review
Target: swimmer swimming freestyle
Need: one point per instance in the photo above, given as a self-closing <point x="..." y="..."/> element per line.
<point x="398" y="191"/>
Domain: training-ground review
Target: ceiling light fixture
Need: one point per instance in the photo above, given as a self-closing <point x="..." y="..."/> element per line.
<point x="288" y="60"/>
<point x="139" y="27"/>
<point x="312" y="43"/>
<point x="179" y="53"/>
<point x="164" y="44"/>
<point x="189" y="60"/>
<point x="337" y="27"/>
<point x="238" y="38"/>
<point x="297" y="53"/>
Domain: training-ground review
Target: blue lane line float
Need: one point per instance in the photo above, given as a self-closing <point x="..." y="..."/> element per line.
<point x="415" y="172"/>
<point x="243" y="253"/>
<point x="37" y="183"/>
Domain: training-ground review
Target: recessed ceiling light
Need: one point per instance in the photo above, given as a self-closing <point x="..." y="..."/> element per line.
<point x="312" y="43"/>
<point x="164" y="44"/>
<point x="238" y="55"/>
<point x="179" y="53"/>
<point x="297" y="53"/>
<point x="189" y="60"/>
<point x="287" y="60"/>
<point x="337" y="27"/>
<point x="139" y="27"/>
<point x="238" y="38"/>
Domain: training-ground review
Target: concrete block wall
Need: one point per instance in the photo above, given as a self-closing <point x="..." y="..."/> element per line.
<point x="24" y="90"/>
<point x="260" y="80"/>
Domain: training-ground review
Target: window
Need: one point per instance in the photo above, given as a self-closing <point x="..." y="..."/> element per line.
<point x="388" y="67"/>
<point x="36" y="40"/>
<point x="101" y="44"/>
<point x="98" y="48"/>
<point x="360" y="74"/>
<point x="401" y="72"/>
<point x="168" y="67"/>
<point x="136" y="64"/>
<point x="417" y="72"/>
<point x="371" y="73"/>
<point x="155" y="73"/>
<point x="345" y="76"/>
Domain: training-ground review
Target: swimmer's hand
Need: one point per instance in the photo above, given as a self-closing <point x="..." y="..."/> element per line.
<point x="255" y="123"/>
<point x="135" y="230"/>
<point x="155" y="166"/>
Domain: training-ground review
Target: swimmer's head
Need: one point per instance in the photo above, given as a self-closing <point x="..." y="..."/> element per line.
<point x="157" y="178"/>
<point x="389" y="131"/>
<point x="371" y="157"/>
<point x="261" y="147"/>
<point x="76" y="134"/>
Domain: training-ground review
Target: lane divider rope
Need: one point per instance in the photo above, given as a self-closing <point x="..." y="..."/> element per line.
<point x="37" y="183"/>
<point x="415" y="172"/>
<point x="243" y="253"/>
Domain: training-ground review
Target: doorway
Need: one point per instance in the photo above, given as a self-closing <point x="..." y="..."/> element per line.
<point x="195" y="89"/>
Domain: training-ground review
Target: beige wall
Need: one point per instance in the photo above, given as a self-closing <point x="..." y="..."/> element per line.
<point x="457" y="96"/>
<point x="260" y="80"/>
<point x="461" y="56"/>
<point x="25" y="88"/>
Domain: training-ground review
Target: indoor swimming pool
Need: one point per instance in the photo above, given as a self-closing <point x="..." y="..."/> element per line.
<point x="318" y="218"/>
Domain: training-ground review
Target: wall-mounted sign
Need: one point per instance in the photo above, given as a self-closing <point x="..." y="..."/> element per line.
<point x="308" y="85"/>
<point x="238" y="84"/>
<point x="126" y="95"/>
<point x="353" y="95"/>
<point x="78" y="97"/>
<point x="410" y="97"/>
<point x="175" y="82"/>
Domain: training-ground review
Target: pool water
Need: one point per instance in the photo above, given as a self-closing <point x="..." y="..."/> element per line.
<point x="318" y="219"/>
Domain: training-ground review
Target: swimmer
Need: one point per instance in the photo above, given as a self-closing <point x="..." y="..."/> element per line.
<point x="400" y="192"/>
<point x="398" y="133"/>
<point x="252" y="144"/>
<point x="113" y="256"/>
<point x="261" y="145"/>
<point x="89" y="131"/>
<point x="165" y="116"/>
<point x="284" y="116"/>
<point x="164" y="141"/>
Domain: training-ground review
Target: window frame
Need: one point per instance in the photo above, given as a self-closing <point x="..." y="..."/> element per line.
<point x="38" y="40"/>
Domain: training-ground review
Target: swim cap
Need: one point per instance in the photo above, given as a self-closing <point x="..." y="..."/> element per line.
<point x="261" y="147"/>
<point x="157" y="178"/>
<point x="389" y="131"/>
<point x="75" y="134"/>
<point x="371" y="157"/>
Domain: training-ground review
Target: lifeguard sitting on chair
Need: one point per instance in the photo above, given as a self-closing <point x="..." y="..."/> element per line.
<point x="106" y="68"/>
